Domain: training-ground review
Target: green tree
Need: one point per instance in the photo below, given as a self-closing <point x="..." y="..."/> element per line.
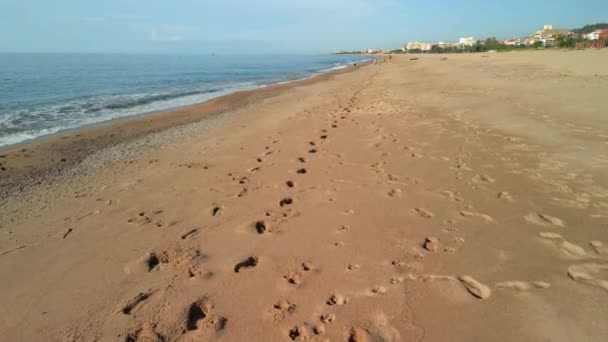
<point x="538" y="44"/>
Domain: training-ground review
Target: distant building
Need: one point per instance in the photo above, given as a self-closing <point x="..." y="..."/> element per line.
<point x="548" y="32"/>
<point x="444" y="45"/>
<point x="468" y="41"/>
<point x="514" y="42"/>
<point x="595" y="35"/>
<point x="418" y="46"/>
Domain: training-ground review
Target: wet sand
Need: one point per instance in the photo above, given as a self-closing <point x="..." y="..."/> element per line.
<point x="434" y="199"/>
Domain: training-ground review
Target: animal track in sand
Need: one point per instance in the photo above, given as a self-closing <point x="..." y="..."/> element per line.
<point x="327" y="318"/>
<point x="293" y="277"/>
<point x="586" y="274"/>
<point x="344" y="229"/>
<point x="250" y="262"/>
<point x="423" y="213"/>
<point x="299" y="333"/>
<point x="312" y="151"/>
<point x="337" y="300"/>
<point x="282" y="309"/>
<point x="544" y="220"/>
<point x="474" y="287"/>
<point x="302" y="160"/>
<point x="302" y="171"/>
<point x="396" y="280"/>
<point x="290" y="184"/>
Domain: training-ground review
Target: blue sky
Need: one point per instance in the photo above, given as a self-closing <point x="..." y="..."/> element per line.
<point x="272" y="26"/>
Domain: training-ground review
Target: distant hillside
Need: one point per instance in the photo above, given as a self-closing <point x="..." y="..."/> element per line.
<point x="590" y="28"/>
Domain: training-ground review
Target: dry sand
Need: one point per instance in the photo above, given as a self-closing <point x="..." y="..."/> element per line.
<point x="458" y="199"/>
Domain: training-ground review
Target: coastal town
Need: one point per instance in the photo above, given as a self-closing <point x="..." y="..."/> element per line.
<point x="590" y="36"/>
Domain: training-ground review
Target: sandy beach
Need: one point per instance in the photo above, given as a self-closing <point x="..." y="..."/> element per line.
<point x="431" y="198"/>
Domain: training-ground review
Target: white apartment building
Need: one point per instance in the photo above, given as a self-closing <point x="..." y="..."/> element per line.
<point x="418" y="46"/>
<point x="468" y="41"/>
<point x="595" y="35"/>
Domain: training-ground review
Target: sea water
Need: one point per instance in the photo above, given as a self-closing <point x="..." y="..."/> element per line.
<point x="42" y="94"/>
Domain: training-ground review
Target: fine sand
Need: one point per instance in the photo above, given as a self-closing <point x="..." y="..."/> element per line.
<point x="447" y="198"/>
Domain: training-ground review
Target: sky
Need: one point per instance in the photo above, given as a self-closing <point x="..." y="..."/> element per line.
<point x="273" y="26"/>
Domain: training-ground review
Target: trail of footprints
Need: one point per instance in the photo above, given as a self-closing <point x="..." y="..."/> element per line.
<point x="201" y="314"/>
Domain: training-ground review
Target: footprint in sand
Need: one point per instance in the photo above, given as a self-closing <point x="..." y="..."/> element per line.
<point x="395" y="193"/>
<point x="423" y="213"/>
<point x="484" y="217"/>
<point x="286" y="201"/>
<point x="483" y="179"/>
<point x="133" y="303"/>
<point x="522" y="285"/>
<point x="216" y="210"/>
<point x="173" y="256"/>
<point x="544" y="220"/>
<point x="503" y="195"/>
<point x="327" y="318"/>
<point x="189" y="234"/>
<point x="567" y="247"/>
<point x="145" y="332"/>
<point x="587" y="274"/>
<point x="431" y="244"/>
<point x="200" y="316"/>
<point x="474" y="287"/>
<point x="379" y="290"/>
<point x="599" y="247"/>
<point x="250" y="262"/>
<point x="261" y="227"/>
<point x="353" y="267"/>
<point x="454" y="196"/>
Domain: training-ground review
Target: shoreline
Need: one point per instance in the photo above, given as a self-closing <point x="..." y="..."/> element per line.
<point x="28" y="163"/>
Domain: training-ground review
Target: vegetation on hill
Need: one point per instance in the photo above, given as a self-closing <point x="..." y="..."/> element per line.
<point x="590" y="28"/>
